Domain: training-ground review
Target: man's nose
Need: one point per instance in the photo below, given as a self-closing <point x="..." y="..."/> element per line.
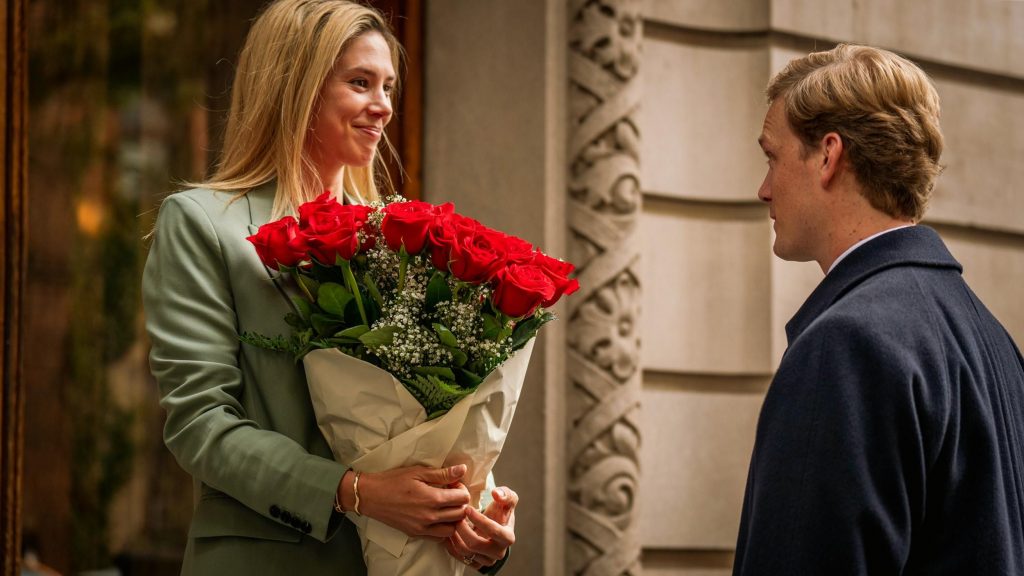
<point x="765" y="191"/>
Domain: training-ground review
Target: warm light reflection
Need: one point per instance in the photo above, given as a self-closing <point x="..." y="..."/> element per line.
<point x="89" y="214"/>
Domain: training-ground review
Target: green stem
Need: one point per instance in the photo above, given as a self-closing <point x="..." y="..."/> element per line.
<point x="403" y="266"/>
<point x="350" y="279"/>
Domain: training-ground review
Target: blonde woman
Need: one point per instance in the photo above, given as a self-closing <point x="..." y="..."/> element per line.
<point x="312" y="94"/>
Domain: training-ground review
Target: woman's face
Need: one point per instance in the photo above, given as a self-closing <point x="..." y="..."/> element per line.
<point x="354" y="106"/>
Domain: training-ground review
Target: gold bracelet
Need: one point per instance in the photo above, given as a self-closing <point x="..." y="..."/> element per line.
<point x="337" y="499"/>
<point x="355" y="490"/>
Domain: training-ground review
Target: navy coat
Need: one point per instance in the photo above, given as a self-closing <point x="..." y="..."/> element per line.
<point x="891" y="440"/>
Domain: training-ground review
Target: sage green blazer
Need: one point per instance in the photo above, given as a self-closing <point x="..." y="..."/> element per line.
<point x="239" y="418"/>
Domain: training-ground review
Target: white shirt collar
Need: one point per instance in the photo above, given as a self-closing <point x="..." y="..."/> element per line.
<point x="861" y="243"/>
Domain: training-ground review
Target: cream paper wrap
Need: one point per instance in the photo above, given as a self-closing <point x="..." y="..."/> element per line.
<point x="373" y="424"/>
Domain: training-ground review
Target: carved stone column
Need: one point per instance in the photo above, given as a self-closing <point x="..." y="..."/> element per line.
<point x="603" y="356"/>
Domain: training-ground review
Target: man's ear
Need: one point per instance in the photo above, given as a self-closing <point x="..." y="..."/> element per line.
<point x="830" y="152"/>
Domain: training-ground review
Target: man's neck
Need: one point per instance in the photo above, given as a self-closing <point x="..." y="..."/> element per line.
<point x="846" y="235"/>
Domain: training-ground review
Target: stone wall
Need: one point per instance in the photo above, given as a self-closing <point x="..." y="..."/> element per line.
<point x="714" y="299"/>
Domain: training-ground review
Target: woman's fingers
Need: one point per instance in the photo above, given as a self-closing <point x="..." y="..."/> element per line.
<point x="504" y="504"/>
<point x="484" y="537"/>
<point x="417" y="500"/>
<point x="485" y="529"/>
<point x="466" y="544"/>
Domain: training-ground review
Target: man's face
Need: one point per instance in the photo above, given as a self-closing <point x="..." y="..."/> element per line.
<point x="792" y="189"/>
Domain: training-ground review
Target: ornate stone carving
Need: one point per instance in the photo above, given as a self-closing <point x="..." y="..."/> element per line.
<point x="603" y="357"/>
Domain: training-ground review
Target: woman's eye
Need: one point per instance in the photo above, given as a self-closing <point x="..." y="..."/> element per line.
<point x="360" y="82"/>
<point x="388" y="89"/>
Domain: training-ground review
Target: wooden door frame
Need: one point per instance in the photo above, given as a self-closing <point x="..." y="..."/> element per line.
<point x="13" y="215"/>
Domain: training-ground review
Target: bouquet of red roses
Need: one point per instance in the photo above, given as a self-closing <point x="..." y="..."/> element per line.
<point x="415" y="327"/>
<point x="433" y="297"/>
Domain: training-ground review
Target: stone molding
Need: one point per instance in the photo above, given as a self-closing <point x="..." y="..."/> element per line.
<point x="603" y="364"/>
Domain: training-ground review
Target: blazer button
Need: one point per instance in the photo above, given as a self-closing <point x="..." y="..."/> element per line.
<point x="286" y="517"/>
<point x="307" y="527"/>
<point x="275" y="511"/>
<point x="296" y="522"/>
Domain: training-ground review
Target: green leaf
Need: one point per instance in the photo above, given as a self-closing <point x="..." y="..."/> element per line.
<point x="437" y="292"/>
<point x="372" y="311"/>
<point x="436" y="395"/>
<point x="459" y="357"/>
<point x="528" y="328"/>
<point x="353" y="332"/>
<point x="379" y="337"/>
<point x="303" y="307"/>
<point x="491" y="327"/>
<point x="440" y="371"/>
<point x="343" y="342"/>
<point x="277" y="343"/>
<point x="371" y="288"/>
<point x="325" y="325"/>
<point x="352" y="315"/>
<point x="468" y="379"/>
<point x="446" y="336"/>
<point x="332" y="298"/>
<point x="309" y="286"/>
<point x="294" y="320"/>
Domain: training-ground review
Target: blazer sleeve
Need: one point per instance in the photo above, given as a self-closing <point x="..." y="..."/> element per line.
<point x="191" y="321"/>
<point x="837" y="471"/>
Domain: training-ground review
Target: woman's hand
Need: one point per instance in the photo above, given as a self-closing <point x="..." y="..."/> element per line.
<point x="480" y="540"/>
<point x="419" y="501"/>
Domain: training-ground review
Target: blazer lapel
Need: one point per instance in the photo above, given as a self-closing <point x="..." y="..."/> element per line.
<point x="261" y="203"/>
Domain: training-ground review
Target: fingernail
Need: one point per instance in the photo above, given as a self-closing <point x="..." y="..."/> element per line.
<point x="503" y="493"/>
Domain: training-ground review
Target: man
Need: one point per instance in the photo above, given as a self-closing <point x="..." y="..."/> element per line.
<point x="892" y="438"/>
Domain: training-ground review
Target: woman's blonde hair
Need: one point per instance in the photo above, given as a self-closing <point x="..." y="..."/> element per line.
<point x="884" y="108"/>
<point x="289" y="52"/>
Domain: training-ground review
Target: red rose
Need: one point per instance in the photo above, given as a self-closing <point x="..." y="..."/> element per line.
<point x="329" y="229"/>
<point x="477" y="255"/>
<point x="558" y="271"/>
<point x="408" y="224"/>
<point x="445" y="233"/>
<point x="520" y="289"/>
<point x="517" y="250"/>
<point x="274" y="243"/>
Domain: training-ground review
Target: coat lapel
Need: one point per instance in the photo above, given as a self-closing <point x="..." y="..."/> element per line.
<point x="911" y="246"/>
<point x="261" y="204"/>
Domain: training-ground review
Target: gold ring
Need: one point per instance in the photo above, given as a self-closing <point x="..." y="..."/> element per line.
<point x="468" y="560"/>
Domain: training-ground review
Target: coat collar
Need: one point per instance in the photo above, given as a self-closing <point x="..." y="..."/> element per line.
<point x="261" y="203"/>
<point x="912" y="246"/>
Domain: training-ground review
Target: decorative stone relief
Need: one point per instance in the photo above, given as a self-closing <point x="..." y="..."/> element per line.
<point x="603" y="356"/>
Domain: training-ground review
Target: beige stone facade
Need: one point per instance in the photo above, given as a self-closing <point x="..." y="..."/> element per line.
<point x="714" y="300"/>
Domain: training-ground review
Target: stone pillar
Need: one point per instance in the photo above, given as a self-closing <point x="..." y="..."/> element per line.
<point x="603" y="365"/>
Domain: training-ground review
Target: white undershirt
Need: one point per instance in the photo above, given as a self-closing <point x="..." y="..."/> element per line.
<point x="861" y="243"/>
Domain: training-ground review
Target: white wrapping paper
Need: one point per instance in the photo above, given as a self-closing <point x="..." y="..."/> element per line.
<point x="373" y="424"/>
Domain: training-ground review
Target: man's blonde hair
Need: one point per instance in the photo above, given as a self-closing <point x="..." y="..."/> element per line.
<point x="289" y="52"/>
<point x="884" y="108"/>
